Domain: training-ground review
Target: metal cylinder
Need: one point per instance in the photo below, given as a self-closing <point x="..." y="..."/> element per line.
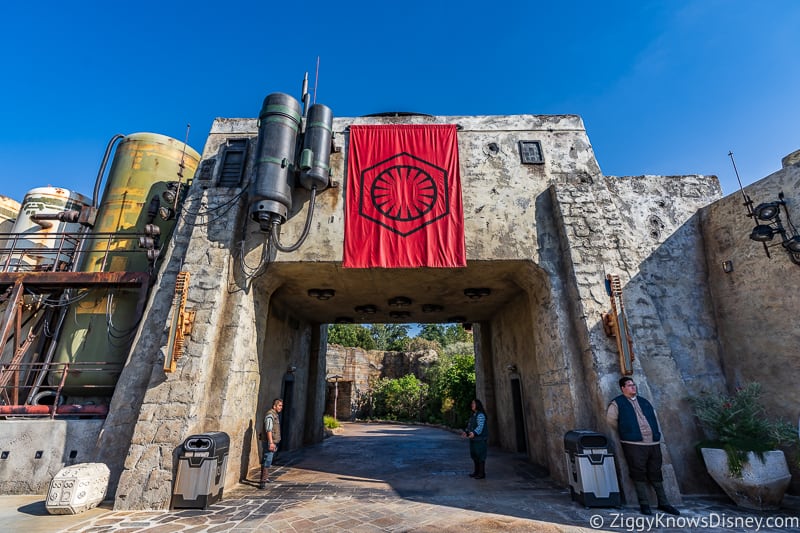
<point x="9" y="210"/>
<point x="144" y="167"/>
<point x="316" y="156"/>
<point x="100" y="327"/>
<point x="271" y="190"/>
<point x="40" y="245"/>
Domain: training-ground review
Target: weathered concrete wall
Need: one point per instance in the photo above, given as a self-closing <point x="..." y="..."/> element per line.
<point x="641" y="229"/>
<point x="58" y="443"/>
<point x="552" y="230"/>
<point x="755" y="304"/>
<point x="515" y="356"/>
<point x="216" y="385"/>
<point x="286" y="346"/>
<point x="498" y="192"/>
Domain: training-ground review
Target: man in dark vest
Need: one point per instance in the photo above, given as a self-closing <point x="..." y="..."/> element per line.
<point x="635" y="420"/>
<point x="272" y="438"/>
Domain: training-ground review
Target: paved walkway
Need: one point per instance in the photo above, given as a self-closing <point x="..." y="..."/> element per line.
<point x="385" y="477"/>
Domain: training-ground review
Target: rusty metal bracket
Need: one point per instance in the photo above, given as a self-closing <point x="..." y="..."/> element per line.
<point x="181" y="323"/>
<point x="615" y="324"/>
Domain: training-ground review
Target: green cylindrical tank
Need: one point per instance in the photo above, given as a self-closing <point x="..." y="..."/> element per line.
<point x="101" y="326"/>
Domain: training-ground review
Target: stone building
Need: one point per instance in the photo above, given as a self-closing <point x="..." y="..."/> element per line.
<point x="541" y="235"/>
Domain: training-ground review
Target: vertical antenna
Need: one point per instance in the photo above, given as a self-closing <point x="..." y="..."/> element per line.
<point x="304" y="96"/>
<point x="182" y="166"/>
<point x="316" y="79"/>
<point x="748" y="203"/>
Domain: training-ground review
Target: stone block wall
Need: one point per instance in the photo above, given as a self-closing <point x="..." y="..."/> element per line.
<point x="553" y="229"/>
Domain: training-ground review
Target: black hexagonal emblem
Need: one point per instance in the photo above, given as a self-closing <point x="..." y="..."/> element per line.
<point x="404" y="193"/>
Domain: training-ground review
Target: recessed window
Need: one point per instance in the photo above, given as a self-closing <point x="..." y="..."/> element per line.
<point x="531" y="152"/>
<point x="233" y="163"/>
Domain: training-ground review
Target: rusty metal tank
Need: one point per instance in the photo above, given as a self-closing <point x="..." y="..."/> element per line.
<point x="141" y="182"/>
<point x="42" y="245"/>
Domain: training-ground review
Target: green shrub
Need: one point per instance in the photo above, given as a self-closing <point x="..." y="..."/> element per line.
<point x="330" y="422"/>
<point x="739" y="424"/>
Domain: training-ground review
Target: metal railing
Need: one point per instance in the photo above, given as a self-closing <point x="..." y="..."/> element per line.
<point x="17" y="385"/>
<point x="62" y="252"/>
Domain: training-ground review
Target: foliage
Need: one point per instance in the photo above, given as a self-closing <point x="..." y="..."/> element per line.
<point x="444" y="334"/>
<point x="390" y="337"/>
<point x="351" y="335"/>
<point x="399" y="399"/>
<point x="444" y="393"/>
<point x="418" y="344"/>
<point x="453" y="387"/>
<point x="330" y="422"/>
<point x="739" y="424"/>
<point x="460" y="348"/>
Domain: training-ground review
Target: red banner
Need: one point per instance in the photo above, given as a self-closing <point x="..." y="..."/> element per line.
<point x="404" y="198"/>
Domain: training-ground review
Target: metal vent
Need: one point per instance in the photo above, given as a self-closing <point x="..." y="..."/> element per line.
<point x="531" y="152"/>
<point x="233" y="163"/>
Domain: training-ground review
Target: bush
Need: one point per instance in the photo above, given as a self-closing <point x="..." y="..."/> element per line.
<point x="453" y="388"/>
<point x="399" y="399"/>
<point x="739" y="424"/>
<point x="330" y="422"/>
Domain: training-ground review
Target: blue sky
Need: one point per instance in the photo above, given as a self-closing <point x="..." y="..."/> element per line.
<point x="663" y="87"/>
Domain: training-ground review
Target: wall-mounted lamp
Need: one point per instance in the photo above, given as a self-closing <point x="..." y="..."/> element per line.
<point x="400" y="301"/>
<point x="368" y="309"/>
<point x="512" y="368"/>
<point x="727" y="266"/>
<point x="322" y="294"/>
<point x="768" y="223"/>
<point x="476" y="293"/>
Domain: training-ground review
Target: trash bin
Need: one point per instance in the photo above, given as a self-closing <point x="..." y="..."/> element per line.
<point x="201" y="471"/>
<point x="591" y="468"/>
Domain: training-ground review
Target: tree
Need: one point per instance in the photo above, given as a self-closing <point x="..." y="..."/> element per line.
<point x="418" y="344"/>
<point x="452" y="382"/>
<point x="389" y="337"/>
<point x="454" y="333"/>
<point x="351" y="335"/>
<point x="444" y="334"/>
<point x="433" y="332"/>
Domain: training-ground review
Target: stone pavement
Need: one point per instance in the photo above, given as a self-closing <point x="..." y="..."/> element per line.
<point x="388" y="477"/>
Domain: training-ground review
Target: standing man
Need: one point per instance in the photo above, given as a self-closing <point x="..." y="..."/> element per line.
<point x="635" y="420"/>
<point x="272" y="431"/>
<point x="477" y="432"/>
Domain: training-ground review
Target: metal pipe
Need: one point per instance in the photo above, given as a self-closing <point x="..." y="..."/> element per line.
<point x="275" y="225"/>
<point x="50" y="349"/>
<point x="102" y="169"/>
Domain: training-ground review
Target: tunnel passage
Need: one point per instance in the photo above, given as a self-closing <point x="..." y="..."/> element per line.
<point x="507" y="302"/>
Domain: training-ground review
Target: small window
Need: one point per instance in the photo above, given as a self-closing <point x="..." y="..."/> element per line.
<point x="531" y="152"/>
<point x="233" y="163"/>
<point x="206" y="171"/>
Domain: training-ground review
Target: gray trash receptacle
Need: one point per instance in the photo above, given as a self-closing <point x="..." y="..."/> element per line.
<point x="201" y="471"/>
<point x="591" y="468"/>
